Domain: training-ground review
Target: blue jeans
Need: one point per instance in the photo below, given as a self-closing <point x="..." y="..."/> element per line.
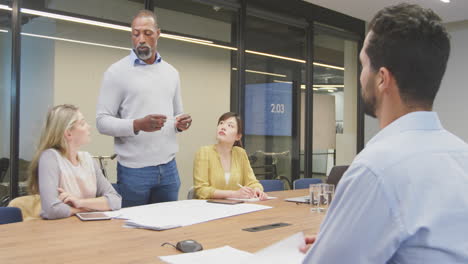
<point x="153" y="184"/>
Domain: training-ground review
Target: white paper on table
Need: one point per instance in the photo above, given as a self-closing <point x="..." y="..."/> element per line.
<point x="284" y="251"/>
<point x="251" y="199"/>
<point x="113" y="214"/>
<point x="167" y="215"/>
<point x="225" y="255"/>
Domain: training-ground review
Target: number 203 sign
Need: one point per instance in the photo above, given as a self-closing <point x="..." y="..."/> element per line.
<point x="268" y="109"/>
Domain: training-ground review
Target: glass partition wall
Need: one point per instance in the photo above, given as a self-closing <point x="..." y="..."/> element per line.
<point x="274" y="73"/>
<point x="335" y="92"/>
<point x="5" y="100"/>
<point x="67" y="45"/>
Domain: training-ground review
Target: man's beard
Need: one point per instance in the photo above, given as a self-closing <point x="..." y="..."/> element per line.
<point x="369" y="101"/>
<point x="143" y="51"/>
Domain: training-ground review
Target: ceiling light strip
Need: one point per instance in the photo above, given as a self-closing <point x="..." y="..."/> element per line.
<point x="5" y="7"/>
<point x="329" y="85"/>
<point x="329" y="66"/>
<point x="274" y="56"/>
<point x="75" y="41"/>
<point x="3" y="30"/>
<point x="265" y="73"/>
<point x="75" y="19"/>
<point x="164" y="35"/>
<point x="171" y="36"/>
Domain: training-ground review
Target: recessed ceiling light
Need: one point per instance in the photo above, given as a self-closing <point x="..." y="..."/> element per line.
<point x="445" y="1"/>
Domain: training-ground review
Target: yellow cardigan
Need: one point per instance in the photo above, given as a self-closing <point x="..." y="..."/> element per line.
<point x="208" y="173"/>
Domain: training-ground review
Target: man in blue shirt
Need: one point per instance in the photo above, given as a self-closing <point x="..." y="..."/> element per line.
<point x="404" y="199"/>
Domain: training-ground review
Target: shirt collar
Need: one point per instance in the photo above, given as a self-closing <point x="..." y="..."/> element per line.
<point x="137" y="62"/>
<point x="421" y="120"/>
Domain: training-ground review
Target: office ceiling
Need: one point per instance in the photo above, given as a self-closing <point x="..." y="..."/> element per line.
<point x="456" y="10"/>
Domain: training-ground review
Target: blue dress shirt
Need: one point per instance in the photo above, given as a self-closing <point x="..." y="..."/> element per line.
<point x="404" y="199"/>
<point x="138" y="62"/>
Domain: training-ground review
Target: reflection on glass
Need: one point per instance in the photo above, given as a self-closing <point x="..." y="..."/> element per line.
<point x="5" y="103"/>
<point x="335" y="102"/>
<point x="271" y="85"/>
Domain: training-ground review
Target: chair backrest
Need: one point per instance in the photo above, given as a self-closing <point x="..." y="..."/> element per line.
<point x="191" y="193"/>
<point x="4" y="164"/>
<point x="335" y="174"/>
<point x="305" y="182"/>
<point x="30" y="206"/>
<point x="10" y="215"/>
<point x="272" y="185"/>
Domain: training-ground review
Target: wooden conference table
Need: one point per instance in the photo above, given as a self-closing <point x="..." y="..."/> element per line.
<point x="73" y="241"/>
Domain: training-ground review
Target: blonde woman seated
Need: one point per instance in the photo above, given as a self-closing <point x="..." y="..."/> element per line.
<point x="219" y="170"/>
<point x="68" y="181"/>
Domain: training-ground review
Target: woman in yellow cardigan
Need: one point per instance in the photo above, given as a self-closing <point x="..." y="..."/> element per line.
<point x="219" y="170"/>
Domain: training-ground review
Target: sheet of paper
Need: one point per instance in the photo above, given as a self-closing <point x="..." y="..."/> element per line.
<point x="113" y="214"/>
<point x="162" y="216"/>
<point x="284" y="251"/>
<point x="225" y="255"/>
<point x="251" y="199"/>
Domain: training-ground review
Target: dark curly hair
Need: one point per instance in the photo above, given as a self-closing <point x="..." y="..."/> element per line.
<point x="411" y="42"/>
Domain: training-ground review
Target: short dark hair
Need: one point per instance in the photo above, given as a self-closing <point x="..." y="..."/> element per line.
<point x="228" y="115"/>
<point x="411" y="42"/>
<point x="146" y="13"/>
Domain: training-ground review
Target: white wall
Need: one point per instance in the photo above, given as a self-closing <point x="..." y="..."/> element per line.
<point x="37" y="81"/>
<point x="346" y="142"/>
<point x="451" y="101"/>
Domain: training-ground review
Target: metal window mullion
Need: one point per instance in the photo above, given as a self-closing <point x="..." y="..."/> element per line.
<point x="15" y="96"/>
<point x="309" y="102"/>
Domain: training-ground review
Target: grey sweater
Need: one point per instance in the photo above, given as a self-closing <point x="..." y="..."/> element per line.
<point x="130" y="91"/>
<point x="49" y="180"/>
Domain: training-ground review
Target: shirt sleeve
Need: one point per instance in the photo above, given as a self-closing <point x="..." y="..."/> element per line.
<point x="49" y="173"/>
<point x="247" y="172"/>
<point x="360" y="226"/>
<point x="105" y="189"/>
<point x="177" y="101"/>
<point x="110" y="97"/>
<point x="203" y="189"/>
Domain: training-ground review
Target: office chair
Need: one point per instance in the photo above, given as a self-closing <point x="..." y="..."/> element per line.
<point x="10" y="215"/>
<point x="4" y="164"/>
<point x="30" y="206"/>
<point x="191" y="193"/>
<point x="272" y="185"/>
<point x="335" y="174"/>
<point x="305" y="182"/>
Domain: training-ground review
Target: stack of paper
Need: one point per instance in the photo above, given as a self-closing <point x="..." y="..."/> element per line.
<point x="284" y="251"/>
<point x="169" y="215"/>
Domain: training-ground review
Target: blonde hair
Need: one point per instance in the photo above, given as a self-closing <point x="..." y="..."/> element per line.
<point x="59" y="119"/>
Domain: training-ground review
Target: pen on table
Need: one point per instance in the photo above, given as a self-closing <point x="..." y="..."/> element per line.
<point x="246" y="187"/>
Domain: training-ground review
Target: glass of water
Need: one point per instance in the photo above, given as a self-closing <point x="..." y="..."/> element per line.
<point x="321" y="195"/>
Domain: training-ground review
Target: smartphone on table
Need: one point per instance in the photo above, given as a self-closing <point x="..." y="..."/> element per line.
<point x="91" y="216"/>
